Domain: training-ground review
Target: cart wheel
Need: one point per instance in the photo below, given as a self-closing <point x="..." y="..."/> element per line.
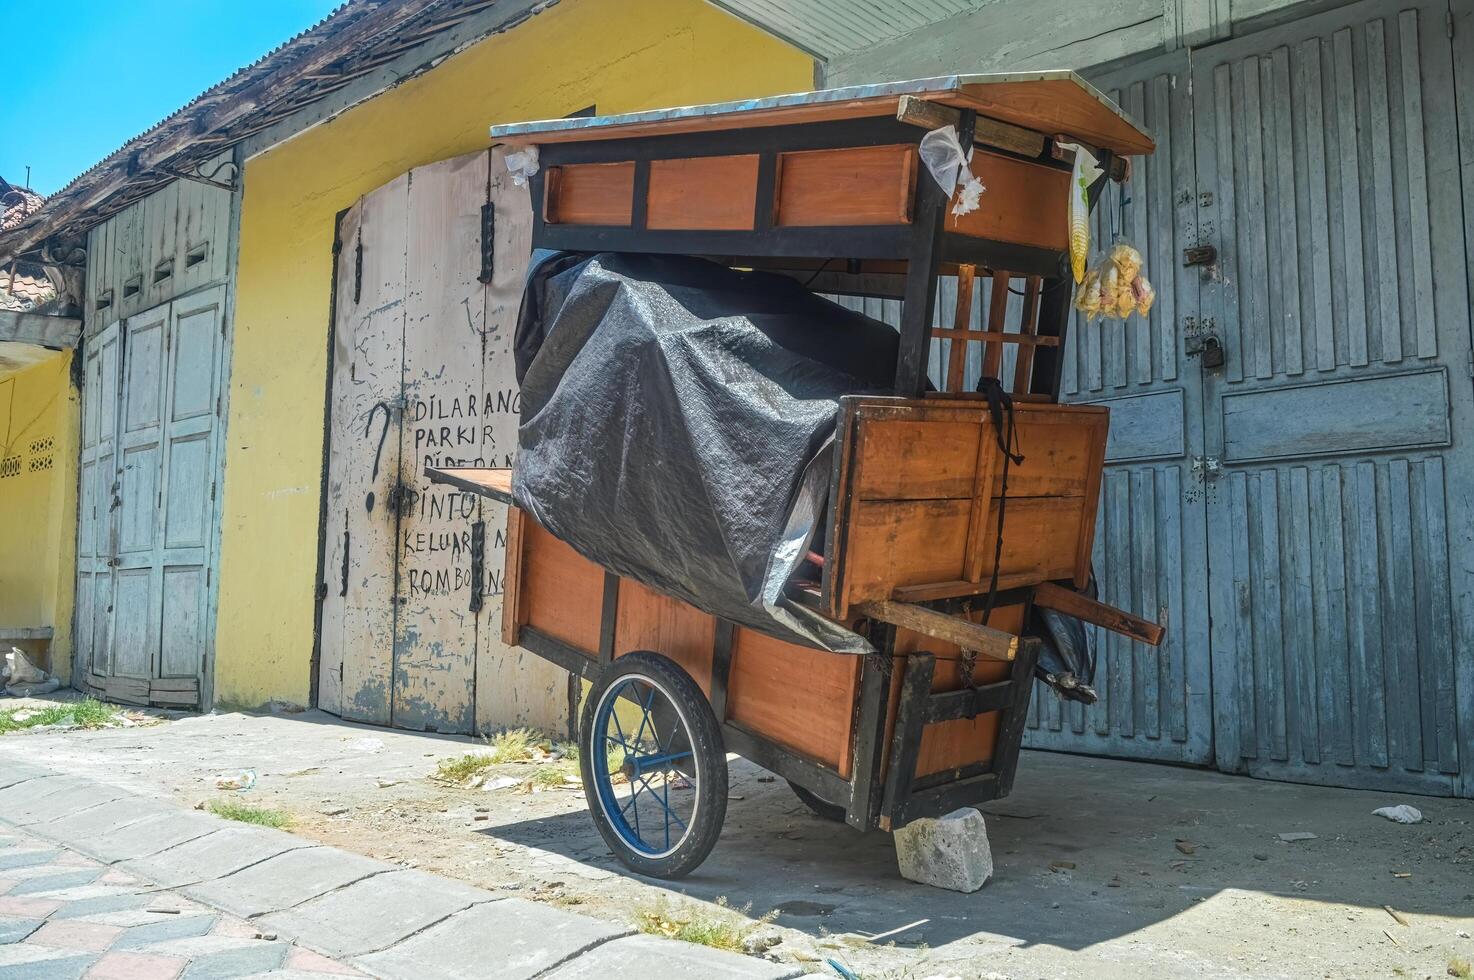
<point x="654" y="770"/>
<point x="822" y="808"/>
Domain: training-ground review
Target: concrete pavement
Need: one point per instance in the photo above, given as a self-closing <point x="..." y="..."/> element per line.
<point x="97" y="881"/>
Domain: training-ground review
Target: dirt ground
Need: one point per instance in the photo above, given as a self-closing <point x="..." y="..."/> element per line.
<point x="1104" y="868"/>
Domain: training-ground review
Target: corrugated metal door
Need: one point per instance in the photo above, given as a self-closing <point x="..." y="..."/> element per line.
<point x="1149" y="546"/>
<point x="1328" y="161"/>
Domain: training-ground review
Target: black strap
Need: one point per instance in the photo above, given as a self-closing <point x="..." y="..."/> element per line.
<point x="1000" y="409"/>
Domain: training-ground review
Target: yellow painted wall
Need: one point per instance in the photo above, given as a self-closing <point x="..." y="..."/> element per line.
<point x="618" y="55"/>
<point x="38" y="504"/>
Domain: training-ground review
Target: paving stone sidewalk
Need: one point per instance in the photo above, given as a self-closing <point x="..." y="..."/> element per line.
<point x="96" y="881"/>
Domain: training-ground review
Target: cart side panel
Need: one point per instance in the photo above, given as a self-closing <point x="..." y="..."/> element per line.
<point x="800" y="698"/>
<point x="649" y="620"/>
<point x="921" y="500"/>
<point x="1025" y="203"/>
<point x="965" y="743"/>
<point x="560" y="591"/>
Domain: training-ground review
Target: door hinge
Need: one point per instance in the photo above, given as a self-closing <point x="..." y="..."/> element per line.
<point x="488" y="242"/>
<point x="358" y="268"/>
<point x="478" y="564"/>
<point x="1448" y="21"/>
<point x="1469" y="361"/>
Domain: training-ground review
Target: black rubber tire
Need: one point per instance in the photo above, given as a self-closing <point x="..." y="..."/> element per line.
<point x="822" y="808"/>
<point x="706" y="747"/>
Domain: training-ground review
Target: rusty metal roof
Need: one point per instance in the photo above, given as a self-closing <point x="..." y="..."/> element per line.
<point x="355" y="39"/>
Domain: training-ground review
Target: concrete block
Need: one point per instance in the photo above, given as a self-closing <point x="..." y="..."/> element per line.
<point x="285" y="880"/>
<point x="150" y="835"/>
<point x="510" y="939"/>
<point x="13" y="771"/>
<point x="19" y="795"/>
<point x="643" y="957"/>
<point x="60" y="797"/>
<point x="374" y="913"/>
<point x="949" y="852"/>
<point x="215" y="855"/>
<point x="86" y="825"/>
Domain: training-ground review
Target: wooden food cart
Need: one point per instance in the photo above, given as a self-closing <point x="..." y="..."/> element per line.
<point x="920" y="535"/>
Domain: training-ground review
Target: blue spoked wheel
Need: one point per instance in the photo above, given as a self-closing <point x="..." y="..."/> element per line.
<point x="654" y="769"/>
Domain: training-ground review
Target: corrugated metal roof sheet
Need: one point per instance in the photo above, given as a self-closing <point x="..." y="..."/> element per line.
<point x="832" y="27"/>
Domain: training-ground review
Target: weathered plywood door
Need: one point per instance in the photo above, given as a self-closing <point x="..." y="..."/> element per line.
<point x="422" y="376"/>
<point x="96" y="489"/>
<point x="1155" y="703"/>
<point x="1339" y="528"/>
<point x="356" y="642"/>
<point x="446" y="421"/>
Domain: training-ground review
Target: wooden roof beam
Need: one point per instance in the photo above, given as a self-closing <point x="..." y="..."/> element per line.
<point x="40" y="330"/>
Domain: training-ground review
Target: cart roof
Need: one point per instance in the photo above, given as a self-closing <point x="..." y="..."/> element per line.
<point x="1048" y="102"/>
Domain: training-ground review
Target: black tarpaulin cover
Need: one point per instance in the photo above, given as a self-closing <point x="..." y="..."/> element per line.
<point x="677" y="425"/>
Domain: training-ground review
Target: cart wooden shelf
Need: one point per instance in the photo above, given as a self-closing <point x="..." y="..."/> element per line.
<point x="828" y="186"/>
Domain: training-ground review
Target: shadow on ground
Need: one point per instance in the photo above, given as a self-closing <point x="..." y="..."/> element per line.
<point x="1086" y="851"/>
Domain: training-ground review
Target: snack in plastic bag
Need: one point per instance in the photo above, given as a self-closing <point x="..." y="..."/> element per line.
<point x="1087" y="297"/>
<point x="1126" y="300"/>
<point x="1127" y="261"/>
<point x="1110" y="288"/>
<point x="1145" y="295"/>
<point x="1114" y="287"/>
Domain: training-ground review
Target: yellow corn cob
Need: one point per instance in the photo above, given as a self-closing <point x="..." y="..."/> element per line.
<point x="1079" y="230"/>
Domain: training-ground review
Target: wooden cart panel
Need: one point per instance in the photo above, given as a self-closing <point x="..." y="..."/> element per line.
<point x="917" y="507"/>
<point x="802" y="699"/>
<point x="827" y="188"/>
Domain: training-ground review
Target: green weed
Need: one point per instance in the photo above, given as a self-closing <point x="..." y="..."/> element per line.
<point x="724" y="929"/>
<point x="245" y="813"/>
<point x="462" y="767"/>
<point x="86" y="713"/>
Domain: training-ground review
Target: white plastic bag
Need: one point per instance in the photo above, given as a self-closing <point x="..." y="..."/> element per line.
<point x="941" y="151"/>
<point x="1402" y="813"/>
<point x="522" y="165"/>
<point x="22" y="671"/>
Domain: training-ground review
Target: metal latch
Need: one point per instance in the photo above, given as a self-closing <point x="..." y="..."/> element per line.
<point x="1200" y="340"/>
<point x="1207" y="469"/>
<point x="1199" y="255"/>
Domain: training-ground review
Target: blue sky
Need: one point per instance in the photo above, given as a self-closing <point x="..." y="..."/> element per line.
<point x="103" y="71"/>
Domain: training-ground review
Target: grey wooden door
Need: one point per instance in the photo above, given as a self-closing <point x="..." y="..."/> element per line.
<point x="151" y="402"/>
<point x="1149" y="548"/>
<point x="136" y="617"/>
<point x="183" y="534"/>
<point x="96" y="517"/>
<point x="1327" y="160"/>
